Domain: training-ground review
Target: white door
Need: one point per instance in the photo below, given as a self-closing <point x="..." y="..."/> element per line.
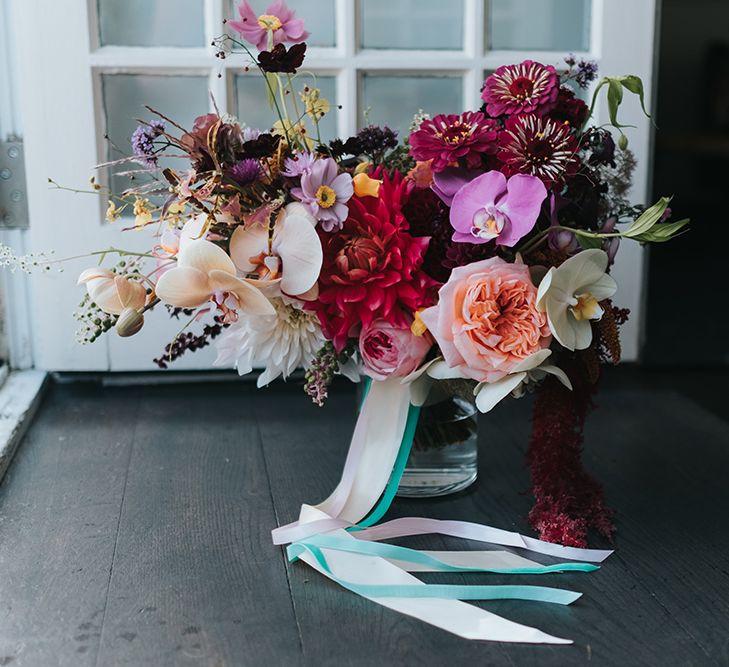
<point x="86" y="67"/>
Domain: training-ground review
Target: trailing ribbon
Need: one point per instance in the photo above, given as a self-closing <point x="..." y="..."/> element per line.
<point x="339" y="538"/>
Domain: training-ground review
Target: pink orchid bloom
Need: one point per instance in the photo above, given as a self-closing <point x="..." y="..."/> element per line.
<point x="278" y="20"/>
<point x="292" y="261"/>
<point x="491" y="207"/>
<point x="203" y="271"/>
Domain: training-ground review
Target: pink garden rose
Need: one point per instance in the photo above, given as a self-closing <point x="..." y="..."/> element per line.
<point x="389" y="351"/>
<point x="486" y="320"/>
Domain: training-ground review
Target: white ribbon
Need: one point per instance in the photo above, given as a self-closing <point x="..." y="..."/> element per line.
<point x="375" y="444"/>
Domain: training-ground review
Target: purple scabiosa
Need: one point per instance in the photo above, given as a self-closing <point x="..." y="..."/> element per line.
<point x="244" y="172"/>
<point x="539" y="147"/>
<point x="582" y="71"/>
<point x="299" y="164"/>
<point x="325" y="192"/>
<point x="528" y="87"/>
<point x="143" y="141"/>
<point x="446" y="139"/>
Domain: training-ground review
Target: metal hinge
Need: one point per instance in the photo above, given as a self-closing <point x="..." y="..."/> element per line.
<point x="13" y="199"/>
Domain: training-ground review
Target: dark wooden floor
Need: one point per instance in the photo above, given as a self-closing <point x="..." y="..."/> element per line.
<point x="134" y="530"/>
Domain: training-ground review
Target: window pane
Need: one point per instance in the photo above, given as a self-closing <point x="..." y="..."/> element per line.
<point x="539" y="25"/>
<point x="394" y="100"/>
<point x="411" y="24"/>
<point x="145" y="23"/>
<point x="181" y="98"/>
<point x="252" y="107"/>
<point x="319" y="17"/>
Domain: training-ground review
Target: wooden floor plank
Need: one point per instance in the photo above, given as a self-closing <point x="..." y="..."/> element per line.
<point x="59" y="512"/>
<point x="196" y="580"/>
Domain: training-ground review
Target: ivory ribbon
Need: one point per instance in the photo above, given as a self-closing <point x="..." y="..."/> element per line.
<point x="355" y="559"/>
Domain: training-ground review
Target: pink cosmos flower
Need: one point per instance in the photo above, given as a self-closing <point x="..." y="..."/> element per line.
<point x="278" y="19"/>
<point x="486" y="321"/>
<point x="492" y="207"/>
<point x="447" y="138"/>
<point x="524" y="88"/>
<point x="325" y="192"/>
<point x="390" y="351"/>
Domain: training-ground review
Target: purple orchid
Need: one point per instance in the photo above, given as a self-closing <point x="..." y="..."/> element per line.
<point x="492" y="207"/>
<point x="279" y="22"/>
<point x="325" y="193"/>
<point x="449" y="181"/>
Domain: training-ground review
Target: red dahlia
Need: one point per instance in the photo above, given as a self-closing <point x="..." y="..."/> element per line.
<point x="372" y="267"/>
<point x="447" y="138"/>
<point x="539" y="147"/>
<point x="524" y="88"/>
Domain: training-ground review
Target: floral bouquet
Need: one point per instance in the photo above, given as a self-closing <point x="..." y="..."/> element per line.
<point x="477" y="250"/>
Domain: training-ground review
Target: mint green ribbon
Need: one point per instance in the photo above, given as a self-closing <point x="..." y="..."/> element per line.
<point x="393" y="552"/>
<point x="443" y="591"/>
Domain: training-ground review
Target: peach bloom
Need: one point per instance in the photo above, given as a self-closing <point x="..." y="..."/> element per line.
<point x="112" y="293"/>
<point x="486" y="321"/>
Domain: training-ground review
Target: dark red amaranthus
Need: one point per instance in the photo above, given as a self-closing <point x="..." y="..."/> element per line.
<point x="567" y="501"/>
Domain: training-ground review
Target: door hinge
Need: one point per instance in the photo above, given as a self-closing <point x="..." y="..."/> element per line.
<point x="13" y="193"/>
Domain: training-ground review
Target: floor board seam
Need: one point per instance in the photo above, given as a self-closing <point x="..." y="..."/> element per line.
<point x="262" y="449"/>
<point x="116" y="537"/>
<point x="659" y="602"/>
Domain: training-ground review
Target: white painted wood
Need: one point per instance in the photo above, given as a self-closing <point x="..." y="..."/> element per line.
<point x="61" y="107"/>
<point x="19" y="400"/>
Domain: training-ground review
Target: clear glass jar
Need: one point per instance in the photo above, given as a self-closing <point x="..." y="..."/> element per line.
<point x="444" y="455"/>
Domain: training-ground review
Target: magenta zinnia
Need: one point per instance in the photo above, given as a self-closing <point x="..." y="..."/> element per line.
<point x="539" y="147"/>
<point x="446" y="139"/>
<point x="523" y="88"/>
<point x="372" y="268"/>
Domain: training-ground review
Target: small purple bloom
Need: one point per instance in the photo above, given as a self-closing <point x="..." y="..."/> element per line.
<point x="492" y="207"/>
<point x="143" y="141"/>
<point x="244" y="172"/>
<point x="251" y="133"/>
<point x="325" y="192"/>
<point x="296" y="166"/>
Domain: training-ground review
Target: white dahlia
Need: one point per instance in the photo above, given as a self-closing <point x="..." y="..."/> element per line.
<point x="279" y="343"/>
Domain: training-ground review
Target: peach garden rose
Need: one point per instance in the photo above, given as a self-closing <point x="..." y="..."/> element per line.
<point x="486" y="321"/>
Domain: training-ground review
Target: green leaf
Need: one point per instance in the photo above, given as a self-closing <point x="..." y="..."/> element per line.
<point x="662" y="232"/>
<point x="635" y="85"/>
<point x="587" y="242"/>
<point x="614" y="98"/>
<point x="647" y="219"/>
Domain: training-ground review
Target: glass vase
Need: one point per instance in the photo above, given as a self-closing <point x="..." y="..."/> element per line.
<point x="444" y="455"/>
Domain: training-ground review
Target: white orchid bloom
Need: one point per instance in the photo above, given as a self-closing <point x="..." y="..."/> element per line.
<point x="488" y="394"/>
<point x="112" y="293"/>
<point x="570" y="295"/>
<point x="291" y="262"/>
<point x="202" y="270"/>
<point x="529" y="371"/>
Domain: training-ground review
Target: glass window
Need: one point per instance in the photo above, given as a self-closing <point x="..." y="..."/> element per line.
<point x="411" y="24"/>
<point x="253" y="110"/>
<point x="181" y="98"/>
<point x="145" y="23"/>
<point x="539" y="25"/>
<point x="319" y="17"/>
<point x="394" y="100"/>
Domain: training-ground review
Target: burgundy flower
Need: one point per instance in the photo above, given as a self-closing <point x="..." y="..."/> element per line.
<point x="540" y="147"/>
<point x="279" y="59"/>
<point x="523" y="88"/>
<point x="448" y="138"/>
<point x="570" y="109"/>
<point x="372" y="268"/>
